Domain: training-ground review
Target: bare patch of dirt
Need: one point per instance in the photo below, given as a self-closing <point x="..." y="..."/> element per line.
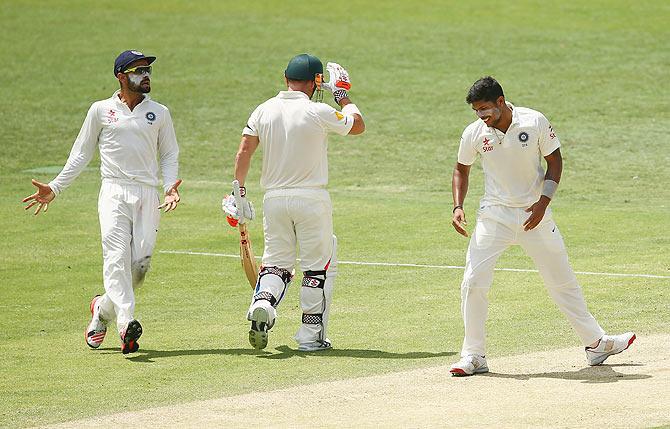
<point x="554" y="388"/>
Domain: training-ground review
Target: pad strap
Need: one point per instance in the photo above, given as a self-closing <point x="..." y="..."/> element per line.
<point x="312" y="319"/>
<point x="266" y="296"/>
<point x="283" y="274"/>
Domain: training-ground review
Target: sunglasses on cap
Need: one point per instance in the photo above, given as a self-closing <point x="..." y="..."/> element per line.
<point x="139" y="70"/>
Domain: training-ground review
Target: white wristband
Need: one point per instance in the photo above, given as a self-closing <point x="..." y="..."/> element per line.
<point x="549" y="188"/>
<point x="351" y="109"/>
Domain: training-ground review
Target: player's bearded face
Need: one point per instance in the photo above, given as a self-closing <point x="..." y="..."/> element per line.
<point x="139" y="79"/>
<point x="139" y="82"/>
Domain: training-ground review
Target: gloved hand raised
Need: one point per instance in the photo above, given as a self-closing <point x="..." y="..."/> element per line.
<point x="338" y="82"/>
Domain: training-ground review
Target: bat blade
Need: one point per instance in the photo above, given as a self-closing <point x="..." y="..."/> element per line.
<point x="247" y="256"/>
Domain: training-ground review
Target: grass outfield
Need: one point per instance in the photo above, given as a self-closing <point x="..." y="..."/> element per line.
<point x="596" y="69"/>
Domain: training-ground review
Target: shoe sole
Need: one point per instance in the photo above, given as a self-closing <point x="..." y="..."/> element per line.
<point x="458" y="372"/>
<point x="133" y="333"/>
<point x="92" y="307"/>
<point x="258" y="335"/>
<point x="604" y="358"/>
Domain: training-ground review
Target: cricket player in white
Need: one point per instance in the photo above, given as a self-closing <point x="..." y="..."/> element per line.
<point x="292" y="132"/>
<point x="132" y="132"/>
<point x="511" y="141"/>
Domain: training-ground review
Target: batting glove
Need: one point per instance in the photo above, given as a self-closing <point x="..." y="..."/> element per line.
<point x="233" y="215"/>
<point x="339" y="82"/>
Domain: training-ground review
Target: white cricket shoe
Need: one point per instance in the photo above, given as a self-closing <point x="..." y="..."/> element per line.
<point x="315" y="346"/>
<point x="469" y="365"/>
<point x="607" y="346"/>
<point x="96" y="329"/>
<point x="262" y="316"/>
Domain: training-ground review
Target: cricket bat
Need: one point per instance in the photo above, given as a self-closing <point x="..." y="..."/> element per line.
<point x="249" y="264"/>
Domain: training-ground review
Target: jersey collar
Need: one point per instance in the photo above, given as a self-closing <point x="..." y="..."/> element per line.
<point x="118" y="101"/>
<point x="515" y="114"/>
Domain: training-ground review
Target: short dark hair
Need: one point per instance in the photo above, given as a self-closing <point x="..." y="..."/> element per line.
<point x="485" y="89"/>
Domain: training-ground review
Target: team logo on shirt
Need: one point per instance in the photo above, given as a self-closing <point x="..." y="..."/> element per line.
<point x="552" y="133"/>
<point x="523" y="136"/>
<point x="112" y="116"/>
<point x="338" y="115"/>
<point x="487" y="147"/>
<point x="151" y="117"/>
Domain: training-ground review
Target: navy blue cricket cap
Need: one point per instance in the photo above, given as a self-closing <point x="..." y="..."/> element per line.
<point x="127" y="57"/>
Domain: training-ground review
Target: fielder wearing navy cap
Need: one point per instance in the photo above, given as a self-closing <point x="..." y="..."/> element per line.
<point x="127" y="57"/>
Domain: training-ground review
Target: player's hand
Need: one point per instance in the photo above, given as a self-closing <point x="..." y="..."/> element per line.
<point x="536" y="213"/>
<point x="338" y="83"/>
<point x="229" y="208"/>
<point x="43" y="197"/>
<point x="233" y="215"/>
<point x="338" y="78"/>
<point x="459" y="223"/>
<point x="171" y="198"/>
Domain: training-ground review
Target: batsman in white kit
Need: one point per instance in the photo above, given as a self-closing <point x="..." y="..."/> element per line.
<point x="292" y="132"/>
<point x="136" y="139"/>
<point x="511" y="142"/>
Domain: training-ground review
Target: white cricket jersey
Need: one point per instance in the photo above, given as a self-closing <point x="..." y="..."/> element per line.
<point x="130" y="144"/>
<point x="512" y="161"/>
<point x="293" y="134"/>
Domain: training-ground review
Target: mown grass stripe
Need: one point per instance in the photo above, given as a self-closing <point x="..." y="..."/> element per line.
<point x="447" y="267"/>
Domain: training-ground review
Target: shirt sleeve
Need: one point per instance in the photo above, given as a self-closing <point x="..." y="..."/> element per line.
<point x="251" y="128"/>
<point x="466" y="150"/>
<point x="81" y="153"/>
<point x="168" y="151"/>
<point x="332" y="120"/>
<point x="548" y="139"/>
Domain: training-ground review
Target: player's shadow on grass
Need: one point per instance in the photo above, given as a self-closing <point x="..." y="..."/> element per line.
<point x="285" y="352"/>
<point x="590" y="375"/>
<point x="282" y="352"/>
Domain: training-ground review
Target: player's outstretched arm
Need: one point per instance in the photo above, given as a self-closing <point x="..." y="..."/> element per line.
<point x="43" y="197"/>
<point x="459" y="189"/>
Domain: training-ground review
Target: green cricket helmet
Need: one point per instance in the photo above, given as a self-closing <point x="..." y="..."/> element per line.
<point x="303" y="67"/>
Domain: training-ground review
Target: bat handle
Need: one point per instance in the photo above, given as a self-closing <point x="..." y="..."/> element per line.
<point x="243" y="230"/>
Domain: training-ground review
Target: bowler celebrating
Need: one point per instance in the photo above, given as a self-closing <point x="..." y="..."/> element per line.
<point x="135" y="137"/>
<point x="511" y="141"/>
<point x="293" y="134"/>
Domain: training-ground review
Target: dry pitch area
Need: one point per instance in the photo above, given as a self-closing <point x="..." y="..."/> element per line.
<point x="542" y="389"/>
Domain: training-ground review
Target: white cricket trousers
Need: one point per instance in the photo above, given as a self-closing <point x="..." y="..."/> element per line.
<point x="298" y="218"/>
<point x="129" y="218"/>
<point x="303" y="219"/>
<point x="497" y="228"/>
